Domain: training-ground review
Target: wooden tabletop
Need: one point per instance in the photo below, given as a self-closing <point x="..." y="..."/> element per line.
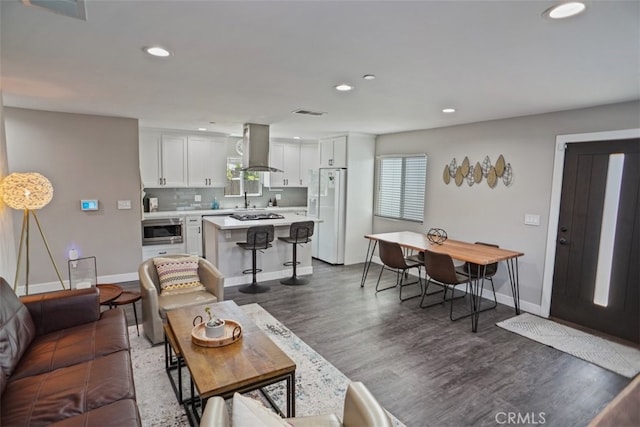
<point x="109" y="292"/>
<point x="217" y="371"/>
<point x="463" y="251"/>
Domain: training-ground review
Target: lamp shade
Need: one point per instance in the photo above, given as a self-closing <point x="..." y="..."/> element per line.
<point x="29" y="190"/>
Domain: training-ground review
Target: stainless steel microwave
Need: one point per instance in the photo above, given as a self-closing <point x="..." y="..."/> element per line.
<point x="162" y="231"/>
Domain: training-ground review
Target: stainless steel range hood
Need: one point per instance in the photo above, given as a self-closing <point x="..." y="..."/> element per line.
<point x="255" y="145"/>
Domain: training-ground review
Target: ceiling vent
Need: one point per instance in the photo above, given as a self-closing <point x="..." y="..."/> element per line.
<point x="309" y="113"/>
<point x="71" y="8"/>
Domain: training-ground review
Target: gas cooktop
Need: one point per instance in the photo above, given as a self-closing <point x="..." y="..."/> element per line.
<point x="256" y="216"/>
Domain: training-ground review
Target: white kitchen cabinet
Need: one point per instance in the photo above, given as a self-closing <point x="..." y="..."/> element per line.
<point x="333" y="152"/>
<point x="149" y="151"/>
<point x="194" y="235"/>
<point x="286" y="157"/>
<point x="308" y="161"/>
<point x="206" y="161"/>
<point x="161" y="250"/>
<point x="163" y="160"/>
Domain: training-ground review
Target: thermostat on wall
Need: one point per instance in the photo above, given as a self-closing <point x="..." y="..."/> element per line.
<point x="89" y="205"/>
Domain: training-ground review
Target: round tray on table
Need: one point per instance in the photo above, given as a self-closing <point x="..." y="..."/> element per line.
<point x="232" y="333"/>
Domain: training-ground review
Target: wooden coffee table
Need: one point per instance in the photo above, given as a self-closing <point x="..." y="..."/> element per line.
<point x="250" y="363"/>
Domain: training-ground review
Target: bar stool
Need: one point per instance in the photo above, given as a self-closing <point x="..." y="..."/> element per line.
<point x="258" y="238"/>
<point x="299" y="233"/>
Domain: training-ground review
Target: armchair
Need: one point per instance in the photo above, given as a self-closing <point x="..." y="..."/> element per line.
<point x="361" y="409"/>
<point x="155" y="306"/>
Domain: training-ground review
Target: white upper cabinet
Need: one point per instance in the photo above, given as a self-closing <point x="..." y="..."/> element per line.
<point x="149" y="149"/>
<point x="174" y="160"/>
<point x="308" y="161"/>
<point x="294" y="159"/>
<point x="163" y="160"/>
<point x="206" y="161"/>
<point x="333" y="152"/>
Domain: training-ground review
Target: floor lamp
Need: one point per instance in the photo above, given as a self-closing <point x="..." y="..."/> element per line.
<point x="28" y="192"/>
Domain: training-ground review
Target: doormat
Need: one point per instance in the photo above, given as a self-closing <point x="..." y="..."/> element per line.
<point x="621" y="359"/>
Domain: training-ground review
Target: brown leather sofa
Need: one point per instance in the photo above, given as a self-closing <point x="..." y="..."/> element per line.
<point x="63" y="362"/>
<point x="361" y="409"/>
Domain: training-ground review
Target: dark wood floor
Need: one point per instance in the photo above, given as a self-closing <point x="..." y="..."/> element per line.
<point x="427" y="370"/>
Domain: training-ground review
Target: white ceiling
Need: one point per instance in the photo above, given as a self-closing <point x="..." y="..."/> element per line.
<point x="239" y="61"/>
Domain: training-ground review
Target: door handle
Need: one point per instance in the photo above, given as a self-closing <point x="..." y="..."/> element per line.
<point x="563" y="241"/>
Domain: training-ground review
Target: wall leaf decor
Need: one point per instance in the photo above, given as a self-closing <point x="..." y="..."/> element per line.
<point x="501" y="171"/>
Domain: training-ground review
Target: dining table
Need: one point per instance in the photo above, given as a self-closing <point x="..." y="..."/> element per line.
<point x="481" y="255"/>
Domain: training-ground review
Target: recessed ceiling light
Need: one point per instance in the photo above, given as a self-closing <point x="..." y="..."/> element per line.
<point x="296" y="137"/>
<point x="202" y="128"/>
<point x="448" y="110"/>
<point x="157" y="51"/>
<point x="565" y="10"/>
<point x="369" y="77"/>
<point x="344" y="87"/>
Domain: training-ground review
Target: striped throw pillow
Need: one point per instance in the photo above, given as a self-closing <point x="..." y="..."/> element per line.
<point x="178" y="275"/>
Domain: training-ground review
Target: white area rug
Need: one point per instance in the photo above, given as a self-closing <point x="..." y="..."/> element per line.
<point x="320" y="386"/>
<point x="610" y="355"/>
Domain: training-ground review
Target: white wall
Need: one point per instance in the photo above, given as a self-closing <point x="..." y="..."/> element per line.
<point x="7" y="243"/>
<point x="479" y="213"/>
<point x="84" y="157"/>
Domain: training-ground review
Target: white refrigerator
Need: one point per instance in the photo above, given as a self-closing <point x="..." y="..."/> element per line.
<point x="327" y="201"/>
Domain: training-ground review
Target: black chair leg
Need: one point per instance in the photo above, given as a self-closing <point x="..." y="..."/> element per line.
<point x="426" y="294"/>
<point x="294" y="280"/>
<point x="253" y="287"/>
<point x="402" y="285"/>
<point x="378" y="282"/>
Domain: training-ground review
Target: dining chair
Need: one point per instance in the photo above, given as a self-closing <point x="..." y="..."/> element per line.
<point x="469" y="268"/>
<point x="441" y="270"/>
<point x="393" y="259"/>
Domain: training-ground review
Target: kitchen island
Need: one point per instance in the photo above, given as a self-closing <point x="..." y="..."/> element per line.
<point x="221" y="233"/>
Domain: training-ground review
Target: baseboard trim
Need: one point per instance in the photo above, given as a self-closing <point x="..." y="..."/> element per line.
<point x="38" y="288"/>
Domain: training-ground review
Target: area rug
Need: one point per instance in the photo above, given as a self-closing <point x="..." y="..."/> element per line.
<point x="320" y="386"/>
<point x="621" y="359"/>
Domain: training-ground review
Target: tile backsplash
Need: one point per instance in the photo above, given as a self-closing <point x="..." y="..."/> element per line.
<point x="176" y="199"/>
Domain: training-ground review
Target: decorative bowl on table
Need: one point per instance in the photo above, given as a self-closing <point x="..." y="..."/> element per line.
<point x="231" y="331"/>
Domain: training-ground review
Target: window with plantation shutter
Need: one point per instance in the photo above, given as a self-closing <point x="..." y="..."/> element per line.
<point x="400" y="185"/>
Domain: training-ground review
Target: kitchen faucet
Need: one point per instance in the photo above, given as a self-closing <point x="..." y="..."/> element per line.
<point x="246" y="202"/>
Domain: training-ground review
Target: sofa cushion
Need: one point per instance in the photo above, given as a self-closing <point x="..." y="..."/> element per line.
<point x="52" y="311"/>
<point x="117" y="414"/>
<point x="16" y="332"/>
<point x="173" y="301"/>
<point x="178" y="275"/>
<point x="70" y="346"/>
<point x="66" y="392"/>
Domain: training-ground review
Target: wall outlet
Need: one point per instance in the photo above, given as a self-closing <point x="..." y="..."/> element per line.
<point x="124" y="204"/>
<point x="197" y="198"/>
<point x="278" y="196"/>
<point x="531" y="219"/>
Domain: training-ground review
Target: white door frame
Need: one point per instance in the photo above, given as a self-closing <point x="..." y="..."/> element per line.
<point x="556" y="193"/>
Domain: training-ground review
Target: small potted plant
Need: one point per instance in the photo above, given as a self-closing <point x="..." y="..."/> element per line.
<point x="214" y="328"/>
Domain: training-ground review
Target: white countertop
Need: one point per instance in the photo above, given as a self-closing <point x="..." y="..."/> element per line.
<point x="221" y="212"/>
<point x="228" y="223"/>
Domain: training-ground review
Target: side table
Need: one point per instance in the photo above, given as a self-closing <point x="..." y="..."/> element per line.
<point x="128" y="297"/>
<point x="108" y="293"/>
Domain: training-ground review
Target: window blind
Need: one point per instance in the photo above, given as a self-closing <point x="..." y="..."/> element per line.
<point x="400" y="187"/>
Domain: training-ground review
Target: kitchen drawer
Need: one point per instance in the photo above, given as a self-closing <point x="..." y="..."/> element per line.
<point x="161" y="250"/>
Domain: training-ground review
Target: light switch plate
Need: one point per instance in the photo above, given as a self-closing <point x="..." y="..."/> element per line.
<point x="278" y="196"/>
<point x="531" y="219"/>
<point x="124" y="204"/>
